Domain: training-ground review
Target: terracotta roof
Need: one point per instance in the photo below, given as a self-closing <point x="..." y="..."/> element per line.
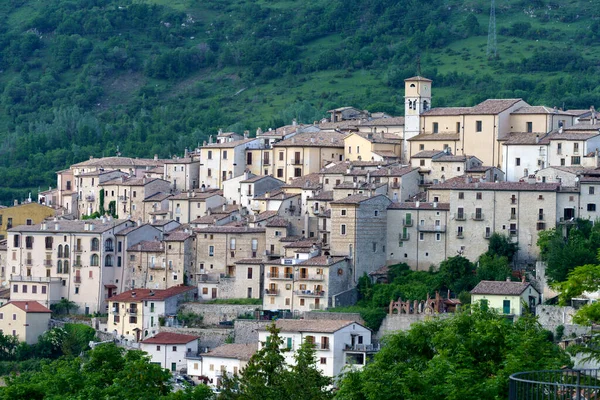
<point x="422" y="206"/>
<point x="29" y="306"/>
<point x="183" y="160"/>
<point x="75" y="226"/>
<point x="359" y="185"/>
<point x="539" y="110"/>
<point x="569" y="135"/>
<point x="156" y="170"/>
<point x="494" y="106"/>
<point x="179" y="235"/>
<point x="138" y="295"/>
<point x="309" y="325"/>
<point x="386" y="153"/>
<point x="326" y="195"/>
<point x="303" y="243"/>
<point x="384" y="138"/>
<point x="229" y="209"/>
<point x="322" y="261"/>
<point x="131" y="181"/>
<point x="339" y="125"/>
<point x="316" y="139"/>
<point x="209" y="219"/>
<point x="583" y="126"/>
<point x="239" y="351"/>
<point x="355" y="199"/>
<point x="500" y="288"/>
<point x="480" y="168"/>
<point x="522" y="138"/>
<point x="230" y="229"/>
<point x="310" y="181"/>
<point x="451" y="158"/>
<point x="264" y="216"/>
<point x="390" y="121"/>
<point x="118" y="161"/>
<point x="459" y="182"/>
<point x="278" y="222"/>
<point x="417" y="78"/>
<point x="576" y="113"/>
<point x="250" y="261"/>
<point x="435" y="137"/>
<point x="257" y="178"/>
<point x="277" y="194"/>
<point x="427" y="153"/>
<point x="227" y="145"/>
<point x="446" y="111"/>
<point x="152" y="246"/>
<point x="196" y="195"/>
<point x="170" y="338"/>
<point x="160" y="196"/>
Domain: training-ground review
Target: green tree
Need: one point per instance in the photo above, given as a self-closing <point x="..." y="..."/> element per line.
<point x="468" y="356"/>
<point x="500" y="245"/>
<point x="306" y="381"/>
<point x="493" y="268"/>
<point x="457" y="274"/>
<point x="64" y="306"/>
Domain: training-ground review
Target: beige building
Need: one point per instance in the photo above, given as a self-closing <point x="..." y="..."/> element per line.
<point x="417" y="234"/>
<point x="128" y="194"/>
<point x="225" y="160"/>
<point x="188" y="206"/>
<point x="76" y="260"/>
<point x="373" y="146"/>
<point x="509" y="298"/>
<point x="26" y="320"/>
<point x="183" y="173"/>
<point x="23" y="214"/>
<point x="359" y="232"/>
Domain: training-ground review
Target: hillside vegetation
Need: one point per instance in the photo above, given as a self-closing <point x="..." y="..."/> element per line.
<point x="83" y="77"/>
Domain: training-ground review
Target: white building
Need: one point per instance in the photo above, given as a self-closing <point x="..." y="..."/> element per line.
<point x="228" y="359"/>
<point x="169" y="349"/>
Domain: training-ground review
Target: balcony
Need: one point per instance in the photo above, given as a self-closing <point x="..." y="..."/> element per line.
<point x="123" y="198"/>
<point x="77" y="279"/>
<point x="404" y="237"/>
<point x="109" y="248"/>
<point x="408" y="222"/>
<point x="156" y="266"/>
<point x="431" y="228"/>
<point x="316" y="306"/>
<point x="78" y="249"/>
<point x="132" y="311"/>
<point x="477" y="216"/>
<point x="287" y="277"/>
<point x="513" y="233"/>
<point x="367" y="348"/>
<point x="487" y="235"/>
<point x="395" y="185"/>
<point x="272" y="292"/>
<point x="297" y="161"/>
<point x="460" y="216"/>
<point x="43" y="279"/>
<point x="266" y="163"/>
<point x="77" y="264"/>
<point x="566" y="220"/>
<point x="309" y="277"/>
<point x="291" y="208"/>
<point x="513" y="217"/>
<point x="460" y="235"/>
<point x="47" y="263"/>
<point x="309" y="293"/>
<point x="322" y="346"/>
<point x="90" y="198"/>
<point x="29" y="262"/>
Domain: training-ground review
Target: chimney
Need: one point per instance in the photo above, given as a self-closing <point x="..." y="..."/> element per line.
<point x="56" y="227"/>
<point x="224" y="207"/>
<point x="139" y="222"/>
<point x="417" y="204"/>
<point x="133" y="294"/>
<point x="189" y="194"/>
<point x="537" y="138"/>
<point x="246" y="133"/>
<point x="26" y="306"/>
<point x="43" y="226"/>
<point x="370" y="135"/>
<point x="435" y="204"/>
<point x="523" y="278"/>
<point x="312" y="140"/>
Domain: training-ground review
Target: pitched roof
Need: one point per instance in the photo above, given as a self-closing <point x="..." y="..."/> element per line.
<point x="356" y="199"/>
<point x="226" y="145"/>
<point x="118" y="161"/>
<point x="278" y="222"/>
<point x="75" y="226"/>
<point x="196" y="195"/>
<point x="493" y="106"/>
<point x="446" y="111"/>
<point x="239" y="351"/>
<point x="435" y="136"/>
<point x="569" y="135"/>
<point x="250" y="261"/>
<point x="460" y="182"/>
<point x="170" y="338"/>
<point x="421" y="206"/>
<point x="316" y="139"/>
<point x="326" y="195"/>
<point x="427" y="153"/>
<point x="310" y="181"/>
<point x="522" y="138"/>
<point x="143" y="181"/>
<point x="383" y="138"/>
<point x="322" y="261"/>
<point x="500" y="287"/>
<point x="160" y="196"/>
<point x="230" y="229"/>
<point x="137" y="295"/>
<point x="389" y="121"/>
<point x="309" y="325"/>
<point x="417" y="78"/>
<point x="264" y="216"/>
<point x="29" y="306"/>
<point x="539" y="110"/>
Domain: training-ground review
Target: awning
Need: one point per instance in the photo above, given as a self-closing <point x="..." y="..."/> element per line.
<point x="110" y="286"/>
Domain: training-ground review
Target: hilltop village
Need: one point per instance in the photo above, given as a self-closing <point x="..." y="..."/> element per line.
<point x="293" y="217"/>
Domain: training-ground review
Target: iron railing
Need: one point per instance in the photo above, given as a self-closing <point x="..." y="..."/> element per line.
<point x="561" y="385"/>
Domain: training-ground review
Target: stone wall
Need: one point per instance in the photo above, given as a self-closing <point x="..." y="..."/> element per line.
<point x="346" y="298"/>
<point x="550" y="317"/>
<point x="334" y="315"/>
<point x="215" y="313"/>
<point x="403" y="322"/>
<point x="210" y="338"/>
<point x="246" y="330"/>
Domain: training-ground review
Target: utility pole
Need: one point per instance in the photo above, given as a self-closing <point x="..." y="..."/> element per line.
<point x="492" y="44"/>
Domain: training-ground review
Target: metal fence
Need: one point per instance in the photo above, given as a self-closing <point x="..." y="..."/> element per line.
<point x="567" y="384"/>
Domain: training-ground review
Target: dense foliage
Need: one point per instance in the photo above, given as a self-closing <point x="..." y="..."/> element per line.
<point x="468" y="356"/>
<point x="106" y="372"/>
<point x="83" y="77"/>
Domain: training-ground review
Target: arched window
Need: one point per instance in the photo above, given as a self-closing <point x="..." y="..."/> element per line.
<point x="94" y="260"/>
<point x="59" y="268"/>
<point x="66" y="252"/>
<point x="66" y="267"/>
<point x="95" y="244"/>
<point x="108" y="245"/>
<point x="108" y="261"/>
<point x="60" y="251"/>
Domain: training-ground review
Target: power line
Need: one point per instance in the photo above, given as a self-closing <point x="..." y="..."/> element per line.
<point x="492" y="44"/>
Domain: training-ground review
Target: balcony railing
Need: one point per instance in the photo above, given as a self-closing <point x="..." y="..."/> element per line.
<point x="266" y="162"/>
<point x="487" y="235"/>
<point x="90" y="198"/>
<point x="77" y="264"/>
<point x="156" y="266"/>
<point x="109" y="248"/>
<point x="460" y="235"/>
<point x="310" y="293"/>
<point x="297" y="161"/>
<point x="47" y="263"/>
<point x="460" y="216"/>
<point x="123" y="198"/>
<point x="408" y="222"/>
<point x="513" y="232"/>
<point x="363" y="347"/>
<point x="559" y="384"/>
<point x="477" y="216"/>
<point x="513" y="216"/>
<point x="280" y="276"/>
<point x="78" y="249"/>
<point x="29" y="261"/>
<point x="309" y="277"/>
<point x="272" y="292"/>
<point x="404" y="237"/>
<point x="77" y="279"/>
<point x="316" y="306"/>
<point x="132" y="311"/>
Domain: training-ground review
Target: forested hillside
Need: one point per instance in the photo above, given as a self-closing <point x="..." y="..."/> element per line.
<point x="83" y="77"/>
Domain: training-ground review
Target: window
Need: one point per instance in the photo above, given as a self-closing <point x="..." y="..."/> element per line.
<point x="281" y="156"/>
<point x="342" y="229"/>
<point x="559" y="148"/>
<point x="421" y="236"/>
<point x="422" y="163"/>
<point x="478" y="126"/>
<point x="517" y="161"/>
<point x="174" y="348"/>
<point x="435" y="127"/>
<point x="95" y="244"/>
<point x="94" y="260"/>
<point x="29" y="221"/>
<point x="376" y="213"/>
<point x="211" y="251"/>
<point x="34" y="289"/>
<point x="529" y="126"/>
<point x="280" y="172"/>
<point x="28" y="242"/>
<point x="249" y="273"/>
<point x="575" y="148"/>
<point x="43" y="289"/>
<point x="421" y="147"/>
<point x="461" y="195"/>
<point x="575" y="160"/>
<point x="357" y="149"/>
<point x="591" y="190"/>
<point x="478" y="195"/>
<point x="224" y="154"/>
<point x="232" y="244"/>
<point x="343" y="213"/>
<point x="24" y="288"/>
<point x="157" y="348"/>
<point x="209" y="155"/>
<point x="349" y="150"/>
<point x="438" y="237"/>
<point x="374" y="247"/>
<point x="591" y="207"/>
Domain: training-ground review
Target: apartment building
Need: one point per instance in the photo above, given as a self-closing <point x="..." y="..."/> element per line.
<point x="169" y="349"/>
<point x="225" y="160"/>
<point x="183" y="173"/>
<point x="27" y="213"/>
<point x="188" y="206"/>
<point x="373" y="146"/>
<point x="417" y="234"/>
<point x="156" y="206"/>
<point x="225" y="360"/>
<point x="337" y="343"/>
<point x="128" y="194"/>
<point x="359" y="231"/>
<point x="26" y="320"/>
<point x="244" y="188"/>
<point x="87" y="189"/>
<point x="76" y="260"/>
<point x="135" y="314"/>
